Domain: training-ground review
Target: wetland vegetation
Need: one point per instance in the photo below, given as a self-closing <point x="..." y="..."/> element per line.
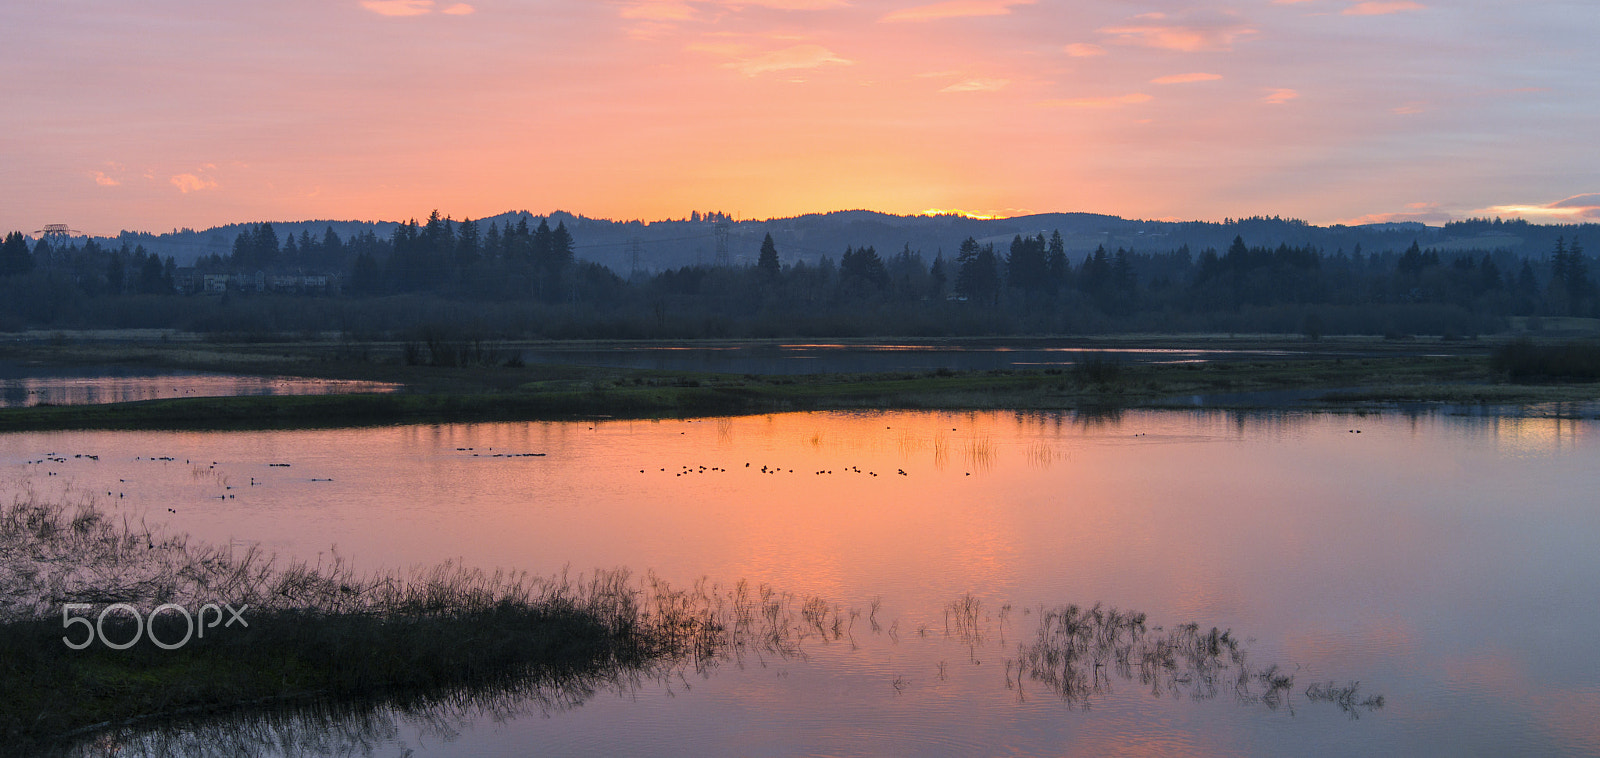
<point x="468" y="386"/>
<point x="322" y="648"/>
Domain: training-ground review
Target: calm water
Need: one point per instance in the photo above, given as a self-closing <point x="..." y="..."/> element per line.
<point x="28" y="385"/>
<point x="769" y="358"/>
<point x="1447" y="564"/>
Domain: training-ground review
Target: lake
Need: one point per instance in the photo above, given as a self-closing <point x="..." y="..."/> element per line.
<point x="770" y="358"/>
<point x="1446" y="564"/>
<point x="26" y="385"/>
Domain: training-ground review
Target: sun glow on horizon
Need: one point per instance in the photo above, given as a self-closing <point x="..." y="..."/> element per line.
<point x="981" y="216"/>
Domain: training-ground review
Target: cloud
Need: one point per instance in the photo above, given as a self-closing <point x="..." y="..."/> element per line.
<point x="1279" y="96"/>
<point x="955" y="9"/>
<point x="1382" y="8"/>
<point x="1185" y="78"/>
<point x="724" y="49"/>
<point x="1084" y="50"/>
<point x="1190" y="33"/>
<point x="101" y="179"/>
<point x="187" y="183"/>
<point x="1578" y="208"/>
<point x="789" y="5"/>
<point x="787" y="59"/>
<point x="459" y="9"/>
<point x="1422" y="213"/>
<point x="1117" y="101"/>
<point x="977" y="85"/>
<point x="398" y="7"/>
<point x="658" y="10"/>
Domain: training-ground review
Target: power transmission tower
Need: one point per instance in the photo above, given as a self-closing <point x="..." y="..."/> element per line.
<point x="634" y="249"/>
<point x="58" y="234"/>
<point x="722" y="244"/>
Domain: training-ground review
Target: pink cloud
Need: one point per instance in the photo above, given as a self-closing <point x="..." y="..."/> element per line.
<point x="459" y="9"/>
<point x="1422" y="213"/>
<point x="1279" y="96"/>
<point x="788" y="59"/>
<point x="1084" y="50"/>
<point x="955" y="9"/>
<point x="187" y="183"/>
<point x="398" y="7"/>
<point x="1382" y="8"/>
<point x="1185" y="78"/>
<point x="1116" y="101"/>
<point x="1190" y="33"/>
<point x="977" y="85"/>
<point x="101" y="179"/>
<point x="657" y="10"/>
<point x="789" y="5"/>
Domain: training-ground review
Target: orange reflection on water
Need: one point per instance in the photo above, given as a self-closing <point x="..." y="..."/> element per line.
<point x="1389" y="550"/>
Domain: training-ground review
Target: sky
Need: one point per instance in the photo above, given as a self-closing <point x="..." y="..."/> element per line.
<point x="163" y="114"/>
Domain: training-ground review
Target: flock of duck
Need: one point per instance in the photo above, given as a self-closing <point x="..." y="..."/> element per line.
<point x="688" y="470"/>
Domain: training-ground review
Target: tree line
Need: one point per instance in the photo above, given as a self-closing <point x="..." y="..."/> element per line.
<point x="526" y="279"/>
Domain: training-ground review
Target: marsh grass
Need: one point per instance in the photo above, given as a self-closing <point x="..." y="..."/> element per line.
<point x="540" y="392"/>
<point x="1081" y="654"/>
<point x="334" y="656"/>
<point x="324" y="636"/>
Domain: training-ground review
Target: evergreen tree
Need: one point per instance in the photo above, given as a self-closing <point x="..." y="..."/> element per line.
<point x="562" y="247"/>
<point x="768" y="260"/>
<point x="1489" y="274"/>
<point x="15" y="257"/>
<point x="491" y="240"/>
<point x="467" y="247"/>
<point x="865" y="265"/>
<point x="332" y="246"/>
<point x="266" y="246"/>
<point x="1027" y="268"/>
<point x="1578" y="285"/>
<point x="1057" y="267"/>
<point x="150" y="272"/>
<point x="115" y="275"/>
<point x="978" y="277"/>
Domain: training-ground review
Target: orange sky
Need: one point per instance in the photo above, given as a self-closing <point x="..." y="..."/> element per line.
<point x="184" y="113"/>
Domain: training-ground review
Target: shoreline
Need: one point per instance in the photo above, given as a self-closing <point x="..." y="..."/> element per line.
<point x="1384" y="377"/>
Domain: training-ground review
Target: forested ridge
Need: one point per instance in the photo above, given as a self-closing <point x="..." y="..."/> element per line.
<point x="529" y="278"/>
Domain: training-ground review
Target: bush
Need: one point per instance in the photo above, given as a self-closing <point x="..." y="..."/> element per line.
<point x="1522" y="360"/>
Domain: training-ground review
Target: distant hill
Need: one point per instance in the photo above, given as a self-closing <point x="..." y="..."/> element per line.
<point x="654" y="246"/>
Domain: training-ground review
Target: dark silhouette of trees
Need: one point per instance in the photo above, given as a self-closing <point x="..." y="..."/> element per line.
<point x="529" y="267"/>
<point x="15" y="257"/>
<point x="1570" y="288"/>
<point x="1027" y="266"/>
<point x="768" y="260"/>
<point x="978" y="278"/>
<point x="863" y="265"/>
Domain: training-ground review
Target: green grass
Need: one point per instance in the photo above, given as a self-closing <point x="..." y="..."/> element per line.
<point x="1463" y="373"/>
<point x="587" y="394"/>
